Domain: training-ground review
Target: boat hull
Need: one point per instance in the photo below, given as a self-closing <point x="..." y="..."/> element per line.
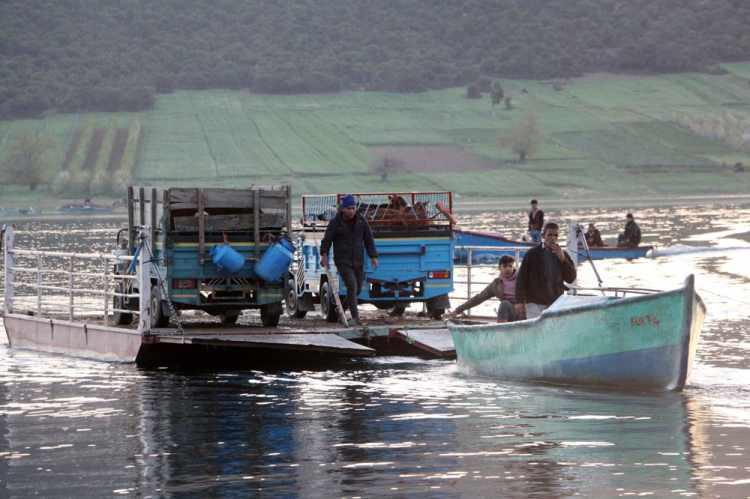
<point x="495" y="242"/>
<point x="640" y="343"/>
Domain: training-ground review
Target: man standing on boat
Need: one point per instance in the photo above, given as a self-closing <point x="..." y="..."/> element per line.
<point x="544" y="270"/>
<point x="504" y="288"/>
<point x="350" y="235"/>
<point x="536" y="222"/>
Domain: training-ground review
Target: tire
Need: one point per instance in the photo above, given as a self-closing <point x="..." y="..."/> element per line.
<point x="158" y="319"/>
<point x="327" y="303"/>
<point x="229" y="318"/>
<point x="120" y="318"/>
<point x="398" y="310"/>
<point x="292" y="301"/>
<point x="434" y="310"/>
<point x="270" y="314"/>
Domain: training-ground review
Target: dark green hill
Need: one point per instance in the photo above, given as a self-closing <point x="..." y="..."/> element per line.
<point x="115" y="55"/>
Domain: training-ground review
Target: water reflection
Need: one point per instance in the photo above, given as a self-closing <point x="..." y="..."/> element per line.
<point x="396" y="427"/>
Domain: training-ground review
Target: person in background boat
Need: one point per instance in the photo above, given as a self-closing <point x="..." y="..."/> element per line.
<point x="536" y="222"/>
<point x="594" y="237"/>
<point x="350" y="235"/>
<point x="631" y="238"/>
<point x="504" y="288"/>
<point x="544" y="270"/>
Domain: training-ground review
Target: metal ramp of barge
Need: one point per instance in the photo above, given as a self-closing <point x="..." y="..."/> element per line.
<point x="262" y="338"/>
<point x="437" y="342"/>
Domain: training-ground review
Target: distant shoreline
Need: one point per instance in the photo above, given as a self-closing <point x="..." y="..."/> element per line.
<point x="465" y="204"/>
<point x="462" y="205"/>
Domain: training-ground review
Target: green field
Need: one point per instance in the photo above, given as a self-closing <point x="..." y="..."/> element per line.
<point x="602" y="135"/>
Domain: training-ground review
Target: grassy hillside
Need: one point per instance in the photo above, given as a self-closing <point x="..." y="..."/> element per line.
<point x="601" y="135"/>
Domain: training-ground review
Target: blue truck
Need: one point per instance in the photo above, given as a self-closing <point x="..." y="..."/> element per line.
<point x="189" y="229"/>
<point x="414" y="238"/>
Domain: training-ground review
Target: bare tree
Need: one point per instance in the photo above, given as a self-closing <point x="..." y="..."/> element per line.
<point x="386" y="165"/>
<point x="496" y="93"/>
<point x="524" y="137"/>
<point x="27" y="159"/>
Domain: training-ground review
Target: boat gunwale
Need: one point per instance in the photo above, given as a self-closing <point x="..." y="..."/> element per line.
<point x="567" y="311"/>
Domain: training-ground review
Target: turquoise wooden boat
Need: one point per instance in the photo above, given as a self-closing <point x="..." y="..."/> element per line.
<point x="645" y="341"/>
<point x="488" y="247"/>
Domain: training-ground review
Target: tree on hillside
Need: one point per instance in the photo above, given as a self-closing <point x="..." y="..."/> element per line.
<point x="386" y="165"/>
<point x="497" y="93"/>
<point x="524" y="138"/>
<point x="27" y="160"/>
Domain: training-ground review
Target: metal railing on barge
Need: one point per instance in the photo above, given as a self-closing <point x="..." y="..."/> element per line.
<point x="84" y="286"/>
<point x="71" y="285"/>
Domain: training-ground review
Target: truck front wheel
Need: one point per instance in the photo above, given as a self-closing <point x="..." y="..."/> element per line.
<point x="158" y="318"/>
<point x="327" y="303"/>
<point x="292" y="301"/>
<point x="120" y="302"/>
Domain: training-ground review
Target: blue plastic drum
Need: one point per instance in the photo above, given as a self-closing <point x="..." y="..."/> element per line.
<point x="275" y="261"/>
<point x="227" y="259"/>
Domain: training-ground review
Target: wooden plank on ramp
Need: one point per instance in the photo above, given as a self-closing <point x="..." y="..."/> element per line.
<point x="328" y="343"/>
<point x="437" y="342"/>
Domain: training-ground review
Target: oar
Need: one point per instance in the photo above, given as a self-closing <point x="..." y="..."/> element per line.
<point x="334" y="282"/>
<point x="582" y="239"/>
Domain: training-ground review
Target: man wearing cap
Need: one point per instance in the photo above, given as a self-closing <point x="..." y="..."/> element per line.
<point x="350" y="235"/>
<point x="536" y="222"/>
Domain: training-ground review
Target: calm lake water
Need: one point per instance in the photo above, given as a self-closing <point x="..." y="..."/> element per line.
<point x="397" y="427"/>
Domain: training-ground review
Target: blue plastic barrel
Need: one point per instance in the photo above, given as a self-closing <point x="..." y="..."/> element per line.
<point x="275" y="261"/>
<point x="227" y="259"/>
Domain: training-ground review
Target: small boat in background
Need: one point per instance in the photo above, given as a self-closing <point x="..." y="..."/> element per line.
<point x="83" y="208"/>
<point x="646" y="341"/>
<point x="493" y="240"/>
<point x="13" y="212"/>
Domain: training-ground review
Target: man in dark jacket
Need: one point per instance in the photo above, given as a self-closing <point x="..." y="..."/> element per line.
<point x="631" y="238"/>
<point x="536" y="221"/>
<point x="350" y="235"/>
<point x="594" y="237"/>
<point x="543" y="270"/>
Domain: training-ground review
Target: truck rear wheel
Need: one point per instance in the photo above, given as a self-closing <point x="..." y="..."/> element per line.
<point x="435" y="308"/>
<point x="398" y="310"/>
<point x="229" y="318"/>
<point x="327" y="303"/>
<point x="270" y="314"/>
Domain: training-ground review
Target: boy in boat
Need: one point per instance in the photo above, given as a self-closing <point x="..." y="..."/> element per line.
<point x="536" y="222"/>
<point x="544" y="271"/>
<point x="594" y="237"/>
<point x="504" y="288"/>
<point x="631" y="238"/>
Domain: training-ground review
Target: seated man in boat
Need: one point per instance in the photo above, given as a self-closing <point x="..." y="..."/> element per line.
<point x="631" y="238"/>
<point x="544" y="270"/>
<point x="504" y="288"/>
<point x="594" y="237"/>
